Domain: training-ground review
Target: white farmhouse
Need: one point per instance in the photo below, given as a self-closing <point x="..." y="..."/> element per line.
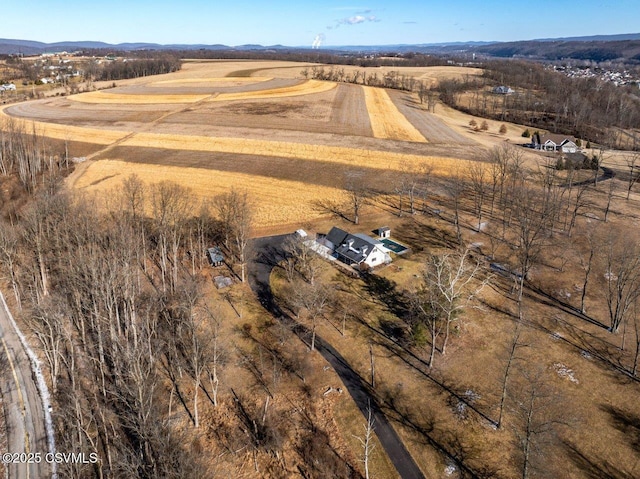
<point x="356" y="249"/>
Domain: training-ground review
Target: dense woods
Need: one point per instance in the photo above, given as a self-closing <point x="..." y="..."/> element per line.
<point x="120" y="70"/>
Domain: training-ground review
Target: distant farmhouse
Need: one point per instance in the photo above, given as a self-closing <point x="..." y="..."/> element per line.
<point x="356" y="249"/>
<point x="215" y="256"/>
<point x="503" y="90"/>
<point x="554" y="142"/>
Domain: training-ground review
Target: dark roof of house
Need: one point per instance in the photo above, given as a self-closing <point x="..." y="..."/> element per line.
<point x="384" y="228"/>
<point x="215" y="255"/>
<point x="356" y="247"/>
<point x="556" y="138"/>
<point x="337" y="236"/>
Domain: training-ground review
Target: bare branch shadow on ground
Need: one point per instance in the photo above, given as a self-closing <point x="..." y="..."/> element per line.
<point x="627" y="422"/>
<point x="593" y="467"/>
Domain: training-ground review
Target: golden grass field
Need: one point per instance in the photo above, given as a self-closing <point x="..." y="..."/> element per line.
<point x="307" y="88"/>
<point x="386" y="121"/>
<point x="275" y="201"/>
<point x="102" y="97"/>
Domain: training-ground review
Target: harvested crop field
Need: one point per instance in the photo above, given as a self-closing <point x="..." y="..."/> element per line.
<point x="63" y="111"/>
<point x="98" y="97"/>
<point x="386" y="121"/>
<point x="307" y="88"/>
<point x="207" y="88"/>
<point x="319" y="172"/>
<point x="355" y="157"/>
<point x="428" y="124"/>
<point x="218" y="81"/>
<point x="275" y="201"/>
<point x="210" y="126"/>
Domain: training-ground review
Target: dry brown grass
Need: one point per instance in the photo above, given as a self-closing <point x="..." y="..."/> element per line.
<point x="307" y="88"/>
<point x="102" y="97"/>
<point x="275" y="201"/>
<point x="386" y="121"/>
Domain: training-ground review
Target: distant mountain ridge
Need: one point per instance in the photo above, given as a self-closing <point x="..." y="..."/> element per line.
<point x="595" y="47"/>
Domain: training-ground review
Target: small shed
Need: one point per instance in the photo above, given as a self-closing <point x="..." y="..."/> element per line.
<point x="216" y="258"/>
<point x="384" y="232"/>
<point x="222" y="282"/>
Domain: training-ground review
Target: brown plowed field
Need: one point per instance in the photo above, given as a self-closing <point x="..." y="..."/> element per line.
<point x="432" y="127"/>
<point x="322" y="173"/>
<point x="340" y="110"/>
<point x="62" y="111"/>
<point x="290" y="141"/>
<point x="198" y="87"/>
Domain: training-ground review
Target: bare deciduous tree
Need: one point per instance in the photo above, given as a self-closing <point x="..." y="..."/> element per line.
<point x="366" y="441"/>
<point x="622" y="275"/>
<point x="478" y="179"/>
<point x="358" y="190"/>
<point x="315" y="300"/>
<point x="537" y="414"/>
<point x="236" y="215"/>
<point x="451" y="277"/>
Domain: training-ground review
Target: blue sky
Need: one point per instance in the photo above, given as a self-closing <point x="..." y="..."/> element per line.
<point x="300" y="23"/>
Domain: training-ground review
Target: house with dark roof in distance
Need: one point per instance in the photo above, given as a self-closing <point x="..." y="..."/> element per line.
<point x="503" y="90"/>
<point x="216" y="258"/>
<point x="554" y="142"/>
<point x="356" y="249"/>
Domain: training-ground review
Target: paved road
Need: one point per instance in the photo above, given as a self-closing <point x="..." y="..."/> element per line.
<point x="24" y="416"/>
<point x="268" y="251"/>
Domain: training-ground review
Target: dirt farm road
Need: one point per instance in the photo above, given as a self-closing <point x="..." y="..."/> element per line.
<point x="268" y="252"/>
<point x="24" y="417"/>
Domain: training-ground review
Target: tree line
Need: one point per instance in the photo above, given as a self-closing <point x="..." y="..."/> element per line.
<point x="135" y="68"/>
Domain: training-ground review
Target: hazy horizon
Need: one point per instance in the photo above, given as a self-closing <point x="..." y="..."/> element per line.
<point x="326" y="24"/>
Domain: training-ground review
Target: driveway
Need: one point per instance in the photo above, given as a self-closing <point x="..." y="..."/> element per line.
<point x="268" y="251"/>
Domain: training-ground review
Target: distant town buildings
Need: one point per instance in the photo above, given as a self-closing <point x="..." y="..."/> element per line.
<point x="618" y="78"/>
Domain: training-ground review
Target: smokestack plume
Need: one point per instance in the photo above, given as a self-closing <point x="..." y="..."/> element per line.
<point x="317" y="41"/>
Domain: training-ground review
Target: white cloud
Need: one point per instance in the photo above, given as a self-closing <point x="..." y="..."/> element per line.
<point x="355" y="20"/>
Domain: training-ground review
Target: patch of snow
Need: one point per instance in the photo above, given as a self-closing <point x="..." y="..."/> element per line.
<point x="564" y="372"/>
<point x="41" y="384"/>
<point x="556" y="336"/>
<point x="450" y="470"/>
<point x="585" y="354"/>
